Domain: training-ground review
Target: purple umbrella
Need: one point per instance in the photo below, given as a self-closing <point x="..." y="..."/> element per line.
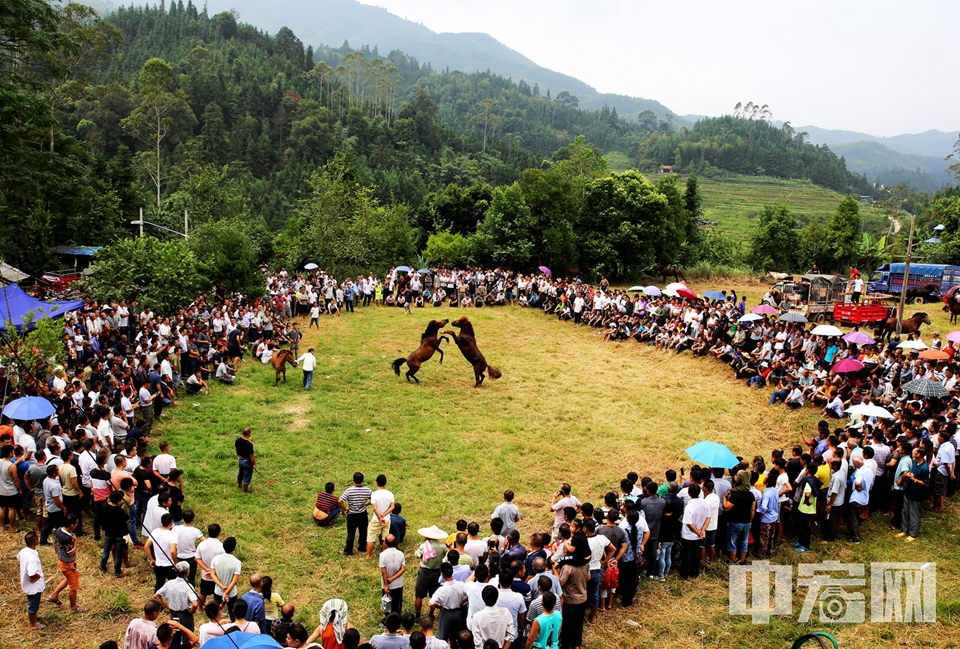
<point x="859" y="338"/>
<point x="546" y="271"/>
<point x="847" y="365"/>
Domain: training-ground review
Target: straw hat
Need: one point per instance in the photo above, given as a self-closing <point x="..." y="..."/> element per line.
<point x="432" y="532"/>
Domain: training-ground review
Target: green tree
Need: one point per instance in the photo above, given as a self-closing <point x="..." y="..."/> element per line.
<point x="504" y="237"/>
<point x="226" y="256"/>
<point x="775" y="242"/>
<point x="448" y="249"/>
<point x="843" y="234"/>
<point x="623" y="224"/>
<point x="162" y="114"/>
<point x="35" y="353"/>
<point x="815" y="246"/>
<point x="160" y="274"/>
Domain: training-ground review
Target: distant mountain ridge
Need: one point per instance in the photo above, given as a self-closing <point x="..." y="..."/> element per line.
<point x="331" y="22"/>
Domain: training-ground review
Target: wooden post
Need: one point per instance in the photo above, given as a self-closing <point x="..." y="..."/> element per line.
<point x="906" y="276"/>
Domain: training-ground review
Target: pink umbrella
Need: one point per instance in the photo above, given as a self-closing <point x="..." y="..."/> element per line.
<point x="546" y="271"/>
<point x="687" y="293"/>
<point x="847" y="365"/>
<point x="954" y="336"/>
<point x="859" y="338"/>
<point x="764" y="309"/>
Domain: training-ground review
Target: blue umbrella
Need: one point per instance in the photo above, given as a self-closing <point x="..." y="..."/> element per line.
<point x="715" y="295"/>
<point x="27" y="408"/>
<point x="239" y="639"/>
<point x="403" y="269"/>
<point x="712" y="454"/>
<point x="311" y="266"/>
<point x="424" y="271"/>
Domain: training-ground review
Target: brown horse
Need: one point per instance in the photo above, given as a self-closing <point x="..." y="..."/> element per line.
<point x="429" y="343"/>
<point x="954" y="308"/>
<point x="467" y="343"/>
<point x="666" y="272"/>
<point x="279" y="361"/>
<point x="912" y="325"/>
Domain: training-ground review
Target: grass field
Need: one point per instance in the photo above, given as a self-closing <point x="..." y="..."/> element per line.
<point x="736" y="201"/>
<point x="568" y="408"/>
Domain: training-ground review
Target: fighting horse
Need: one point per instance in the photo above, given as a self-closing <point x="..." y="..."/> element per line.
<point x="279" y="361"/>
<point x="888" y="327"/>
<point x="467" y="343"/>
<point x="429" y="343"/>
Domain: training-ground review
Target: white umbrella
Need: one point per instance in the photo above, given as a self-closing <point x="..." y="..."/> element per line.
<point x="671" y="292"/>
<point x="826" y="330"/>
<point x="750" y="317"/>
<point x="675" y="286"/>
<point x="870" y="410"/>
<point x="912" y="344"/>
<point x="635" y="288"/>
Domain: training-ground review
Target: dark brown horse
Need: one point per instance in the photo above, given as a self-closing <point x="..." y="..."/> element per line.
<point x="666" y="272"/>
<point x="429" y="343"/>
<point x="279" y="361"/>
<point x="912" y="325"/>
<point x="954" y="308"/>
<point x="467" y="343"/>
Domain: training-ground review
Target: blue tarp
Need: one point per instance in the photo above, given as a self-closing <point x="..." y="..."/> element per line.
<point x="15" y="304"/>
<point x="934" y="270"/>
<point x="78" y="251"/>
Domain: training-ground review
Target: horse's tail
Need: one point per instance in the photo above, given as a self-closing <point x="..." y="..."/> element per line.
<point x="396" y="365"/>
<point x="494" y="372"/>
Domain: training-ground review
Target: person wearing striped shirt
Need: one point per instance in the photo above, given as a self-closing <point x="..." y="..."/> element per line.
<point x="354" y="501"/>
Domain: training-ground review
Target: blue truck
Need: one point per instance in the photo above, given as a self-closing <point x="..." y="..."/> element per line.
<point x="926" y="281"/>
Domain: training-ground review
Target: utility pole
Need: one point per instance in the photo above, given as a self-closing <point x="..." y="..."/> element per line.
<point x="141" y="221"/>
<point x="906" y="275"/>
<point x="186" y="235"/>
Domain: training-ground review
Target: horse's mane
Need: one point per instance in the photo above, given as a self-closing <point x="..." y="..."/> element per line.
<point x="466" y="327"/>
<point x="432" y="328"/>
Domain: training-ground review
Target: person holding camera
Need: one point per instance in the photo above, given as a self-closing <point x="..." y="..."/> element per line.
<point x="562" y="499"/>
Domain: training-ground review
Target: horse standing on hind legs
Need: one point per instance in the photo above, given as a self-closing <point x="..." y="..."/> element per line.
<point x="429" y="343"/>
<point x="279" y="361"/>
<point x="467" y="343"/>
<point x="886" y="328"/>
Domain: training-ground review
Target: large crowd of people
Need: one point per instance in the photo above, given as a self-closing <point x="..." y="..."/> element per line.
<point x="483" y="584"/>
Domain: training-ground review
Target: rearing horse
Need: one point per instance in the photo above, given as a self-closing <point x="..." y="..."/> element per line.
<point x="279" y="361"/>
<point x="888" y="327"/>
<point x="467" y="343"/>
<point x="429" y="343"/>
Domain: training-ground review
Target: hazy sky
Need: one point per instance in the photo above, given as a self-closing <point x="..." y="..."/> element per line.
<point x="876" y="66"/>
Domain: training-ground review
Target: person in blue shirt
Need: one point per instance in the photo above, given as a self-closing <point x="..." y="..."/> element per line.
<point x="769" y="511"/>
<point x="916" y="483"/>
<point x="863" y="477"/>
<point x="398" y="524"/>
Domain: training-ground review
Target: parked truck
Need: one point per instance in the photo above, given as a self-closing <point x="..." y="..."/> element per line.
<point x="926" y="281"/>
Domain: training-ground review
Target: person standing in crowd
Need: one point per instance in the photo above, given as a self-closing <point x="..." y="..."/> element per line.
<point x="354" y="500"/>
<point x="916" y="491"/>
<point x="309" y="364"/>
<point x="245" y="458"/>
<point x="225" y="571"/>
<point x="178" y="597"/>
<point x="382" y="501"/>
<point x="393" y="565"/>
<point x="66" y="547"/>
<point x="208" y="550"/>
<point x="31" y="577"/>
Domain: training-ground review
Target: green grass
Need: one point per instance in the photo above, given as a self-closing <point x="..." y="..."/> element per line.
<point x="568" y="408"/>
<point x="737" y="201"/>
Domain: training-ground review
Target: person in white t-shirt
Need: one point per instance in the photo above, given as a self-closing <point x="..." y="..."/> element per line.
<point x="164" y="463"/>
<point x="207" y="550"/>
<point x="188" y="537"/>
<point x="709" y="550"/>
<point x="163" y="540"/>
<point x="382" y="501"/>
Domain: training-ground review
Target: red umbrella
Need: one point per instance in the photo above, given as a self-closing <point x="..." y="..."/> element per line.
<point x="687" y="293"/>
<point x="847" y="365"/>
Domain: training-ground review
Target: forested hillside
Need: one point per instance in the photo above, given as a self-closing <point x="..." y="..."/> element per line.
<point x="350" y="158"/>
<point x="747" y="143"/>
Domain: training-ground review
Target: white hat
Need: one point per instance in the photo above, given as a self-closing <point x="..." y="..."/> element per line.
<point x="432" y="532"/>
